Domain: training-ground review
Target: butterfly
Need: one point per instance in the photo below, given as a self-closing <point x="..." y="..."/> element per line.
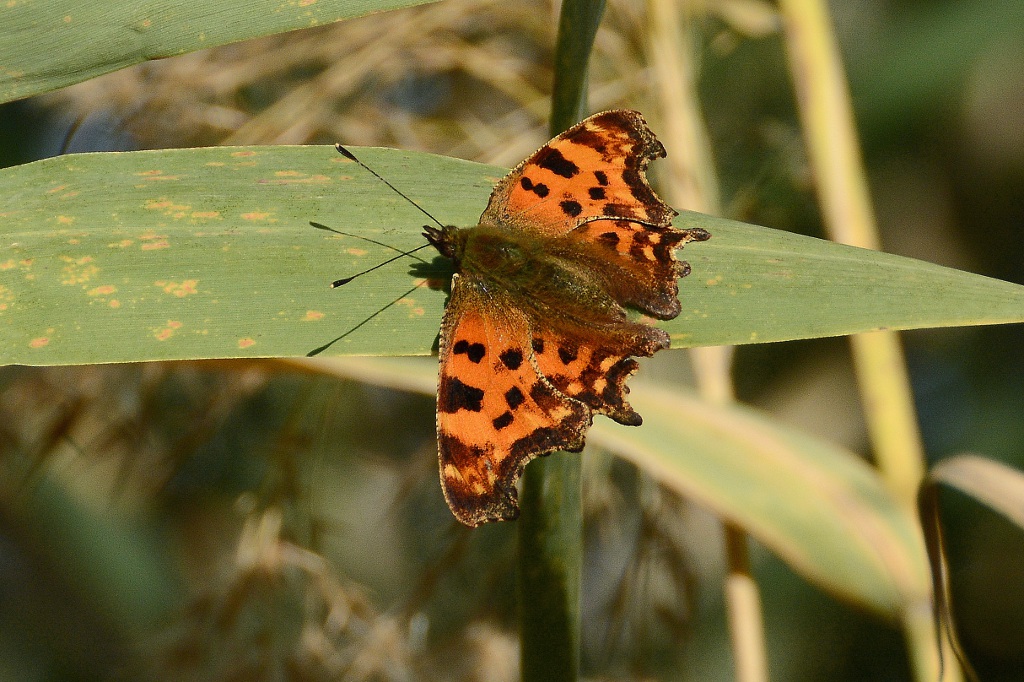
<point x="535" y="338"/>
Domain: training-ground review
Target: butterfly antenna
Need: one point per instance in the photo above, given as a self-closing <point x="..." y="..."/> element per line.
<point x="321" y="349"/>
<point x="320" y="225"/>
<point x="350" y="156"/>
<point x="345" y="280"/>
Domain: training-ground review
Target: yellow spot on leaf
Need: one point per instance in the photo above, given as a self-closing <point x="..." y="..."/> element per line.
<point x="243" y="153"/>
<point x="255" y="215"/>
<point x="114" y="303"/>
<point x="714" y="281"/>
<point x="414" y="310"/>
<point x="167" y="332"/>
<point x="38" y="342"/>
<point x="206" y="214"/>
<point x="150" y="173"/>
<point x="78" y="270"/>
<point x="181" y="290"/>
<point x="168" y="208"/>
<point x="7" y="264"/>
<point x="246" y="343"/>
<point x="103" y="290"/>
<point x="124" y="243"/>
<point x="313" y="316"/>
<point x="355" y="252"/>
<point x="215" y="163"/>
<point x="65" y="219"/>
<point x="157" y="244"/>
<point x="306" y="3"/>
<point x="295" y="177"/>
<point x="67" y="19"/>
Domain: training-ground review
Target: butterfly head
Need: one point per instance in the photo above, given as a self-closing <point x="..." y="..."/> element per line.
<point x="448" y="240"/>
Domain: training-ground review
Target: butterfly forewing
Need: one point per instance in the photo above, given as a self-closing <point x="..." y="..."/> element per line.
<point x="594" y="169"/>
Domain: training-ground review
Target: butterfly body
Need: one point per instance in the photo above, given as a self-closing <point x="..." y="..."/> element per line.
<point x="536" y="336"/>
<point x="563" y="278"/>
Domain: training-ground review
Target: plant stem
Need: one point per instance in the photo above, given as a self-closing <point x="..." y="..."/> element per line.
<point x="550" y="560"/>
<point x="830" y="133"/>
<point x="691" y="183"/>
<point x="577" y="26"/>
<point x="551" y="526"/>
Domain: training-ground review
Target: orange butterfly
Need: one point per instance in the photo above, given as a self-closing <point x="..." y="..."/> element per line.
<point x="535" y="337"/>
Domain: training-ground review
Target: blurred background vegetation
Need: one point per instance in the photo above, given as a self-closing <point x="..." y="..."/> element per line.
<point x="230" y="521"/>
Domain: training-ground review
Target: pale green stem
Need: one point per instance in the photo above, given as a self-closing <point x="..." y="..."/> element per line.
<point x="691" y="183"/>
<point x="830" y="133"/>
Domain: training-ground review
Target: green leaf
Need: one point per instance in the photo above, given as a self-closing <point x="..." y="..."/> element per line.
<point x="208" y="253"/>
<point x="994" y="484"/>
<point x="49" y="44"/>
<point x="820" y="508"/>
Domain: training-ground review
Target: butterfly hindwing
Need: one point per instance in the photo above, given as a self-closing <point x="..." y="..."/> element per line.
<point x="639" y="262"/>
<point x="596" y="373"/>
<point x="495" y="412"/>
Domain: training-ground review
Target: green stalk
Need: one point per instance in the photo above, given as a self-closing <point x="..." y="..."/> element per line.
<point x="831" y="137"/>
<point x="577" y="26"/>
<point x="550" y="561"/>
<point x="690" y="182"/>
<point x="551" y="526"/>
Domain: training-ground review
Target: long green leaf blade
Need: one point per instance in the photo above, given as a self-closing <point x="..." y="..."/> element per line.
<point x="49" y="44"/>
<point x="820" y="508"/>
<point x="208" y="253"/>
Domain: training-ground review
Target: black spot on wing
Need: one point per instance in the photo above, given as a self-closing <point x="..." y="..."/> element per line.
<point x="558" y="164"/>
<point x="571" y="208"/>
<point x="567" y="355"/>
<point x="504" y="420"/>
<point x="538" y="346"/>
<point x="514" y="397"/>
<point x="540" y="189"/>
<point x="474" y="351"/>
<point x="596" y="193"/>
<point x="512" y="358"/>
<point x="590" y="138"/>
<point x="641" y="240"/>
<point x="620" y="210"/>
<point x="453" y="395"/>
<point x="639" y="188"/>
<point x="610" y="239"/>
<point x="602" y="178"/>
